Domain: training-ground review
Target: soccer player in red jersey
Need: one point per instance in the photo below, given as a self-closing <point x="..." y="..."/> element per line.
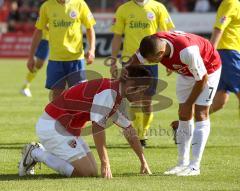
<point x="199" y="67"/>
<point x="59" y="128"/>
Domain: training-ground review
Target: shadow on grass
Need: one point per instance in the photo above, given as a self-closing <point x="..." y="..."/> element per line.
<point x="15" y="177"/>
<point x="9" y="177"/>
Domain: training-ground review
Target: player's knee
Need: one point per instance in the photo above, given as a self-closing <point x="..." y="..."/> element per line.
<point x="185" y="117"/>
<point x="201" y="115"/>
<point x="95" y="172"/>
<point x="84" y="173"/>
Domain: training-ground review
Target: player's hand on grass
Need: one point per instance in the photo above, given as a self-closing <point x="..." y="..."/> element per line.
<point x="106" y="171"/>
<point x="90" y="56"/>
<point x="145" y="169"/>
<point x="31" y="64"/>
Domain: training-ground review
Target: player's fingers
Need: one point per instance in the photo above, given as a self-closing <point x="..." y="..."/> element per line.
<point x="108" y="175"/>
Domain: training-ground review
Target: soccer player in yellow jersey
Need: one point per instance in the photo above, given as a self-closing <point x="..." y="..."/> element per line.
<point x="226" y="38"/>
<point x="64" y="20"/>
<point x="135" y="20"/>
<point x="41" y="55"/>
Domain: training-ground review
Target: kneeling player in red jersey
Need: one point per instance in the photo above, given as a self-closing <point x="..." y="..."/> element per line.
<point x="199" y="66"/>
<point x="59" y="128"/>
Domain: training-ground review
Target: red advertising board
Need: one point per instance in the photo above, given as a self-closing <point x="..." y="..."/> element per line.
<point x="15" y="45"/>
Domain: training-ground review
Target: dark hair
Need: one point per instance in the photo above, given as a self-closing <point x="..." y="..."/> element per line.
<point x="137" y="71"/>
<point x="139" y="75"/>
<point x="148" y="46"/>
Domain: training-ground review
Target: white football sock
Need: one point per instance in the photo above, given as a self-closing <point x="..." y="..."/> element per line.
<point x="57" y="164"/>
<point x="200" y="137"/>
<point x="184" y="136"/>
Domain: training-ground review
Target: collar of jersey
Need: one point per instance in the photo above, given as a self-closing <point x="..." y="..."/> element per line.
<point x="141" y="5"/>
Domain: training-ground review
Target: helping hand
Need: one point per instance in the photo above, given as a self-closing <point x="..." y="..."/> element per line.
<point x="145" y="169"/>
<point x="106" y="171"/>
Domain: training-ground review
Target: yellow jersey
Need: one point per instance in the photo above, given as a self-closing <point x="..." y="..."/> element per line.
<point x="64" y="23"/>
<point x="136" y="22"/>
<point x="45" y="34"/>
<point x="228" y="20"/>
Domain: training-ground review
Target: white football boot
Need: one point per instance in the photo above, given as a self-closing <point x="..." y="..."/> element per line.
<point x="189" y="171"/>
<point x="27" y="163"/>
<point x="175" y="170"/>
<point x="26" y="92"/>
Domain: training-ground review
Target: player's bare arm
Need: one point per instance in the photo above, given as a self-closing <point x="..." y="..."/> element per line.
<point x="132" y="138"/>
<point x="116" y="46"/>
<point x="100" y="143"/>
<point x="216" y="36"/>
<point x="37" y="36"/>
<point x="91" y="38"/>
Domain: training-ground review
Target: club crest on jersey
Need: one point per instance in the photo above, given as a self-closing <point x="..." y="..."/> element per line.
<point x="177" y="66"/>
<point x="73" y="14"/>
<point x="150" y="16"/>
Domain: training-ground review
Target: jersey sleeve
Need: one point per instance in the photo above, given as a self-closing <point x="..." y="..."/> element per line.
<point x="223" y="17"/>
<point x="165" y="22"/>
<point x="42" y="20"/>
<point x="120" y="116"/>
<point x="192" y="58"/>
<point x="118" y="24"/>
<point x="102" y="106"/>
<point x="86" y="16"/>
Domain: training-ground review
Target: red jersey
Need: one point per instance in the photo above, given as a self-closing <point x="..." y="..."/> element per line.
<point x="94" y="100"/>
<point x="190" y="55"/>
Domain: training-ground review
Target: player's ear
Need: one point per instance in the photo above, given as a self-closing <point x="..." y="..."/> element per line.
<point x="160" y="53"/>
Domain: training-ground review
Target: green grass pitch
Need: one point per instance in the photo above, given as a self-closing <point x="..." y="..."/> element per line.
<point x="220" y="165"/>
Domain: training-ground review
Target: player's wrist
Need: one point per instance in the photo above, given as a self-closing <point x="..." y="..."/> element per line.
<point x="105" y="164"/>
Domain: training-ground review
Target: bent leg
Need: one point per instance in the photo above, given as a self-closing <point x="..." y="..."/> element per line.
<point x="84" y="167"/>
<point x="220" y="99"/>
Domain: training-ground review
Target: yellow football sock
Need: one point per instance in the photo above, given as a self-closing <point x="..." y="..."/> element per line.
<point x="136" y="117"/>
<point x="146" y="120"/>
<point x="29" y="78"/>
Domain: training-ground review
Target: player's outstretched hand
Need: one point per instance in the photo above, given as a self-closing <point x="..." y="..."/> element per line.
<point x="106" y="171"/>
<point x="90" y="56"/>
<point x="31" y="64"/>
<point x="145" y="169"/>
